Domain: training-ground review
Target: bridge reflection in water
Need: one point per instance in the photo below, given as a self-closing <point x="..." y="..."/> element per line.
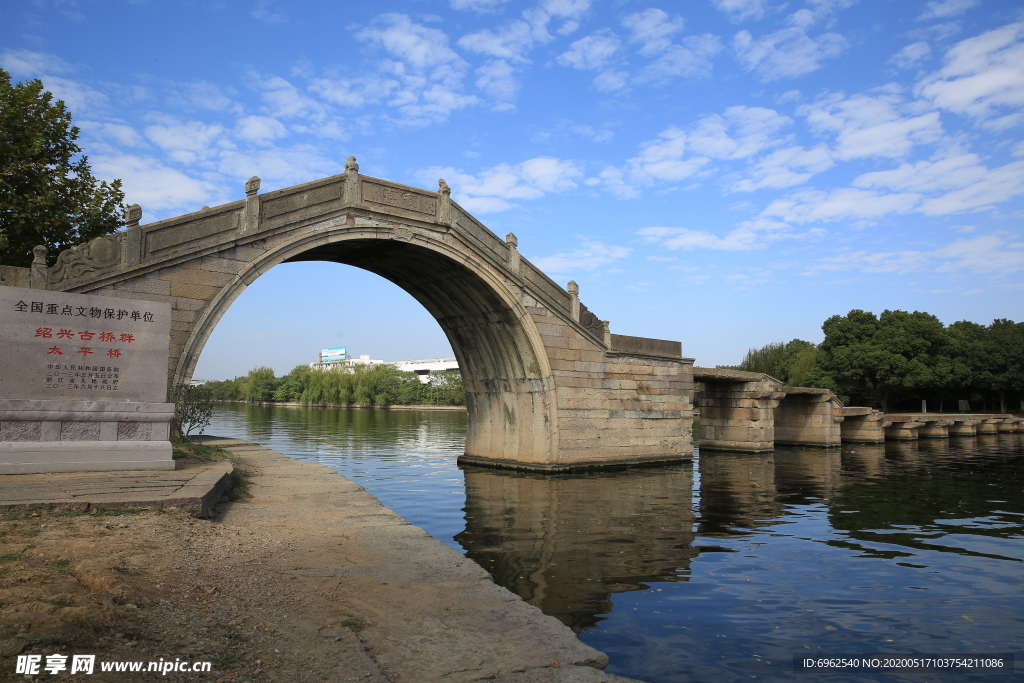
<point x="567" y="543"/>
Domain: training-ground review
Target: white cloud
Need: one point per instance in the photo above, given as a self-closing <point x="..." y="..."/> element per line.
<point x="515" y="39"/>
<point x="665" y="158"/>
<point x="419" y="47"/>
<point x="844" y="203"/>
<point x="429" y="74"/>
<point x="119" y="134"/>
<point x="940" y="9"/>
<point x="785" y="168"/>
<point x="79" y="98"/>
<point x="496" y="188"/>
<point x="497" y="79"/>
<point x="956" y="184"/>
<point x="984" y="254"/>
<point x="868" y="262"/>
<point x="939" y="32"/>
<point x="748" y="235"/>
<point x="481" y="6"/>
<point x="981" y="255"/>
<point x="259" y="129"/>
<point x="612" y="81"/>
<point x="201" y="95"/>
<point x="32" y="64"/>
<point x="870" y="125"/>
<point x="264" y="12"/>
<point x="591" y="52"/>
<point x="677" y="154"/>
<point x="186" y="142"/>
<point x="590" y="256"/>
<point x="690" y="59"/>
<point x="981" y="75"/>
<point x="653" y="29"/>
<point x="945" y="186"/>
<point x="786" y="53"/>
<point x="568" y="11"/>
<point x="739" y="133"/>
<point x="927" y="176"/>
<point x="356" y="92"/>
<point x="911" y="55"/>
<point x="151" y="184"/>
<point x="283" y="100"/>
<point x="740" y="10"/>
<point x="511" y="42"/>
<point x="614" y="180"/>
<point x="984" y="192"/>
<point x="279" y="166"/>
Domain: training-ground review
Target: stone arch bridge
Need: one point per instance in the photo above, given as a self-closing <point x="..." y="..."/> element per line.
<point x="548" y="386"/>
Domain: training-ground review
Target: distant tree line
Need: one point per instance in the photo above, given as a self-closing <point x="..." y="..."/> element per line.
<point x="376" y="385"/>
<point x="898" y="358"/>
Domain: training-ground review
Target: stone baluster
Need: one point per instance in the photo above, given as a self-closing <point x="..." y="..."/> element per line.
<point x="353" y="188"/>
<point x="131" y="254"/>
<point x="38" y="276"/>
<point x="444" y="203"/>
<point x="251" y="219"/>
<point x="574" y="300"/>
<point x="513" y="252"/>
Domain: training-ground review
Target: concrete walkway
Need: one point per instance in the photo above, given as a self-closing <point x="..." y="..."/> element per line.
<point x="430" y="613"/>
<point x="195" y="488"/>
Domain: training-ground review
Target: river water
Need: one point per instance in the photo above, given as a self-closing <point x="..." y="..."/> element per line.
<point x="722" y="569"/>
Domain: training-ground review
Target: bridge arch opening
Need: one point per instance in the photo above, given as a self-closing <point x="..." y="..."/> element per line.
<point x="509" y="395"/>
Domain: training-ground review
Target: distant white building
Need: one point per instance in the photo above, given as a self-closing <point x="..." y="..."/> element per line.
<point x="423" y="368"/>
<point x="426" y="368"/>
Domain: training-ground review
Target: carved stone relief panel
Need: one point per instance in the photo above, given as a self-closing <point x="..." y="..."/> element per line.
<point x="590" y="323"/>
<point x="96" y="256"/>
<point x="403" y="199"/>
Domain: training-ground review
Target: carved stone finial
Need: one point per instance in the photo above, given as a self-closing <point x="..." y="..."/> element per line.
<point x="511" y="240"/>
<point x="252" y="186"/>
<point x="351" y="165"/>
<point x="132" y="215"/>
<point x="39" y="254"/>
<point x="574" y="288"/>
<point x="442" y="187"/>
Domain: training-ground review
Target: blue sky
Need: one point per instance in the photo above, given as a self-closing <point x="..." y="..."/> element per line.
<point x="725" y="173"/>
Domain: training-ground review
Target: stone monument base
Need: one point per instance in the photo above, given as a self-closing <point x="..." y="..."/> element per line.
<point x="40" y="436"/>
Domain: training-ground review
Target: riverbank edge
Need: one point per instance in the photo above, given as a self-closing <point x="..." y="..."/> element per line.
<point x="434" y="614"/>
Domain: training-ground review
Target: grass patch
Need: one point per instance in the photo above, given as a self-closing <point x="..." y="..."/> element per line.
<point x="130" y="571"/>
<point x="353" y="625"/>
<point x="228" y="659"/>
<point x="193" y="450"/>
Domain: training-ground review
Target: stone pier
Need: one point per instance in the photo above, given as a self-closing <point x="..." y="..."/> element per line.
<point x="808" y="416"/>
<point x="737" y="409"/>
<point x="905" y="429"/>
<point x="863" y="425"/>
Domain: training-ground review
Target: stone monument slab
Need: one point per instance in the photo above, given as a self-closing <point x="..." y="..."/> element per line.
<point x="83" y="382"/>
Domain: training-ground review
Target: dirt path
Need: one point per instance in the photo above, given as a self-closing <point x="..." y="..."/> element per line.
<point x="311" y="579"/>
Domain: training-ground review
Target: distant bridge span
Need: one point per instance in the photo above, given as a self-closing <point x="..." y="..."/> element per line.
<point x="548" y="386"/>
